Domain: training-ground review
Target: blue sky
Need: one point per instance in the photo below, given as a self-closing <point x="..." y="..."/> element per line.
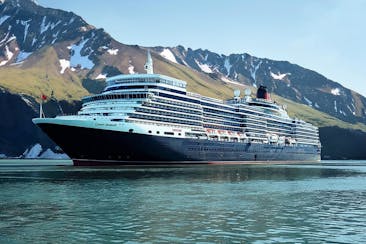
<point x="327" y="36"/>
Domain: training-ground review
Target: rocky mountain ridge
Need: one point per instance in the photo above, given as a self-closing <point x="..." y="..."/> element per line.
<point x="281" y="77"/>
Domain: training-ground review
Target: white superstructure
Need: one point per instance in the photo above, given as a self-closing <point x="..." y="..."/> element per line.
<point x="160" y="105"/>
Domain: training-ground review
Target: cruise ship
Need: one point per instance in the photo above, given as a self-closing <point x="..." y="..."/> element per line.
<point x="152" y="119"/>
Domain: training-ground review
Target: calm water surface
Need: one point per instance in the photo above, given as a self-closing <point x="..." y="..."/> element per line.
<point x="184" y="204"/>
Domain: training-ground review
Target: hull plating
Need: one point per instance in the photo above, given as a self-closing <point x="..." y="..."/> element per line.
<point x="88" y="146"/>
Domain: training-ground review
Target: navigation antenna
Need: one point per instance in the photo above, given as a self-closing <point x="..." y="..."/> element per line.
<point x="149" y="64"/>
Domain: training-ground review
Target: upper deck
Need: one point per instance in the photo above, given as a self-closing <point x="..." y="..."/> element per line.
<point x="145" y="78"/>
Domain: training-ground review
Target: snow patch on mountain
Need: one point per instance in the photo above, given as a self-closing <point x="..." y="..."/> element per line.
<point x="167" y="54"/>
<point x="278" y="76"/>
<point x="11" y="38"/>
<point x="26" y="26"/>
<point x="113" y="51"/>
<point x="34" y="40"/>
<point x="335" y="105"/>
<point x="27" y="101"/>
<point x="54" y="37"/>
<point x="310" y="103"/>
<point x="353" y="105"/>
<point x="5" y="38"/>
<point x="351" y="110"/>
<point x="131" y="69"/>
<point x="44" y="27"/>
<point x="77" y="59"/>
<point x="185" y="63"/>
<point x="84" y="29"/>
<point x="8" y="55"/>
<point x="204" y="67"/>
<point x="101" y="77"/>
<point x="206" y="56"/>
<point x="253" y="70"/>
<point x="235" y="75"/>
<point x="3" y="19"/>
<point x="64" y="65"/>
<point x="22" y="56"/>
<point x="53" y="25"/>
<point x="224" y="79"/>
<point x="227" y="66"/>
<point x="335" y="91"/>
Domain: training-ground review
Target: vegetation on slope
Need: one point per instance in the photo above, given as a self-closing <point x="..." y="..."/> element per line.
<point x="42" y="77"/>
<point x="314" y="116"/>
<point x="41" y="74"/>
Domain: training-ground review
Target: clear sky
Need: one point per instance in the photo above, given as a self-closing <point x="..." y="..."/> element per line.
<point x="328" y="36"/>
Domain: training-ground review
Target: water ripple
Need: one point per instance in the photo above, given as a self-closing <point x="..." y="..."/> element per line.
<point x="200" y="204"/>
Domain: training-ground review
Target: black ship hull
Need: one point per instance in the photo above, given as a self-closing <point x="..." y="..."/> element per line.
<point x="88" y="146"/>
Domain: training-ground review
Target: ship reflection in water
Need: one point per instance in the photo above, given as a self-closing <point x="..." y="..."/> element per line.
<point x="192" y="203"/>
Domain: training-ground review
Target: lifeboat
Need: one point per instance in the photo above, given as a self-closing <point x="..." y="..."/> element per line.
<point x="273" y="138"/>
<point x="211" y="131"/>
<point x="281" y="140"/>
<point x="288" y="140"/>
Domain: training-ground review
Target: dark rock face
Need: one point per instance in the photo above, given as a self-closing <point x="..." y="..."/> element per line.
<point x="16" y="127"/>
<point x="341" y="143"/>
<point x="17" y="130"/>
<point x="26" y="27"/>
<point x="34" y="26"/>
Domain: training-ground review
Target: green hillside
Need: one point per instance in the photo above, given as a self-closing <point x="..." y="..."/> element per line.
<point x="314" y="116"/>
<point x="41" y="74"/>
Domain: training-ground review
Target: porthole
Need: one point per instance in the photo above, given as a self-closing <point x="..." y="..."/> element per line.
<point x="130" y="130"/>
<point x="149" y="131"/>
<point x="158" y="132"/>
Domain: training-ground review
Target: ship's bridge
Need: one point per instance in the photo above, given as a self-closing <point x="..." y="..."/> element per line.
<point x="137" y="79"/>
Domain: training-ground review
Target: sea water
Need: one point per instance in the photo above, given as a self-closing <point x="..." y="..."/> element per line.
<point x="304" y="203"/>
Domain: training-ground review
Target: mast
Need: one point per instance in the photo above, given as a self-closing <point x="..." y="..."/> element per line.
<point x="149" y="64"/>
<point x="41" y="114"/>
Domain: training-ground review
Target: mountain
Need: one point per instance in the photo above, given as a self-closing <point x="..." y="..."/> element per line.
<point x="291" y="81"/>
<point x="54" y="52"/>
